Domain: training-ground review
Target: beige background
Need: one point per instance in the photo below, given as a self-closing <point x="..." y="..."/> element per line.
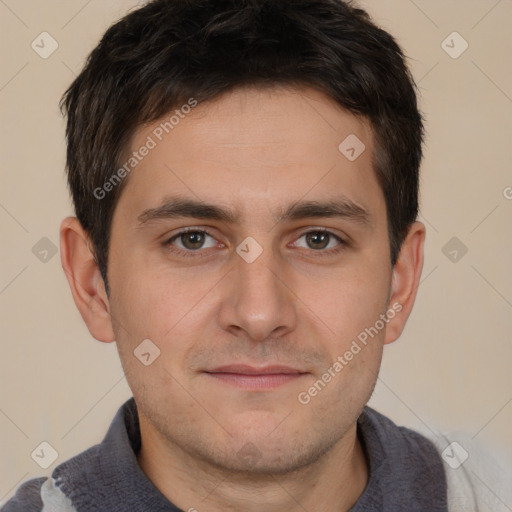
<point x="450" y="369"/>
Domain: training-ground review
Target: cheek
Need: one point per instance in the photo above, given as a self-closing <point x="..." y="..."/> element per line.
<point x="151" y="301"/>
<point x="170" y="307"/>
<point x="349" y="301"/>
<point x="146" y="307"/>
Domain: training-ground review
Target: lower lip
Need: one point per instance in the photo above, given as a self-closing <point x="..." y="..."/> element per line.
<point x="256" y="382"/>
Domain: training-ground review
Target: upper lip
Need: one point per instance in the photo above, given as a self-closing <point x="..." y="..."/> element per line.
<point x="244" y="369"/>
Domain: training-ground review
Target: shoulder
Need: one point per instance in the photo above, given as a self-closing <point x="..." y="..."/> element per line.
<point x="27" y="497"/>
<point x="78" y="475"/>
<point x="47" y="493"/>
<point x="39" y="495"/>
<point x="478" y="477"/>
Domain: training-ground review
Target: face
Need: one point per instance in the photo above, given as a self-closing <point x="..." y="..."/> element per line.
<point x="253" y="254"/>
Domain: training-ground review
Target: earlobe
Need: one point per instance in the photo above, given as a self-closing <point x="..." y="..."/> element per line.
<point x="405" y="280"/>
<point x="85" y="280"/>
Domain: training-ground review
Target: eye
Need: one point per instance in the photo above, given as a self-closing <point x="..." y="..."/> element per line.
<point x="191" y="240"/>
<point x="321" y="240"/>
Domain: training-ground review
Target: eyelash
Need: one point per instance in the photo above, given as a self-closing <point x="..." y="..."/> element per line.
<point x="201" y="253"/>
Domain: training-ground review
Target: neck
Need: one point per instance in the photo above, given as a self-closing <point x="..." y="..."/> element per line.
<point x="334" y="482"/>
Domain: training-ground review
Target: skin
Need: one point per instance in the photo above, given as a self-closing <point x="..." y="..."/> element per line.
<point x="255" y="152"/>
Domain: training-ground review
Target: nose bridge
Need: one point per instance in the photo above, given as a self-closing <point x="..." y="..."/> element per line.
<point x="259" y="302"/>
<point x="258" y="278"/>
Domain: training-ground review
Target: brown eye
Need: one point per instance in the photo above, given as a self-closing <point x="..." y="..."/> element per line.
<point x="192" y="240"/>
<point x="320" y="240"/>
<point x="321" y="243"/>
<point x="317" y="239"/>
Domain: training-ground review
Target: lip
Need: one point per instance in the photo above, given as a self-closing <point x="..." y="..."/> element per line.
<point x="255" y="378"/>
<point x="244" y="369"/>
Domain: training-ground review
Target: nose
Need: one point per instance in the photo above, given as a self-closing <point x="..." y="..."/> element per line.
<point x="259" y="299"/>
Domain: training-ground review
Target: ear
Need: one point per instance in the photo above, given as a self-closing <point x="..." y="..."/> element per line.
<point x="85" y="279"/>
<point x="405" y="281"/>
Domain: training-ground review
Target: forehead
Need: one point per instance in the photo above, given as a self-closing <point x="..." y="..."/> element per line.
<point x="254" y="149"/>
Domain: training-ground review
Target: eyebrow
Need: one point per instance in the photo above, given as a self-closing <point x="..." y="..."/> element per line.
<point x="174" y="208"/>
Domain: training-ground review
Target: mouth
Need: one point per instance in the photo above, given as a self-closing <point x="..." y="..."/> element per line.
<point x="256" y="378"/>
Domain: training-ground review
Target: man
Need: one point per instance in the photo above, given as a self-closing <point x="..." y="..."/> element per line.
<point x="245" y="179"/>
